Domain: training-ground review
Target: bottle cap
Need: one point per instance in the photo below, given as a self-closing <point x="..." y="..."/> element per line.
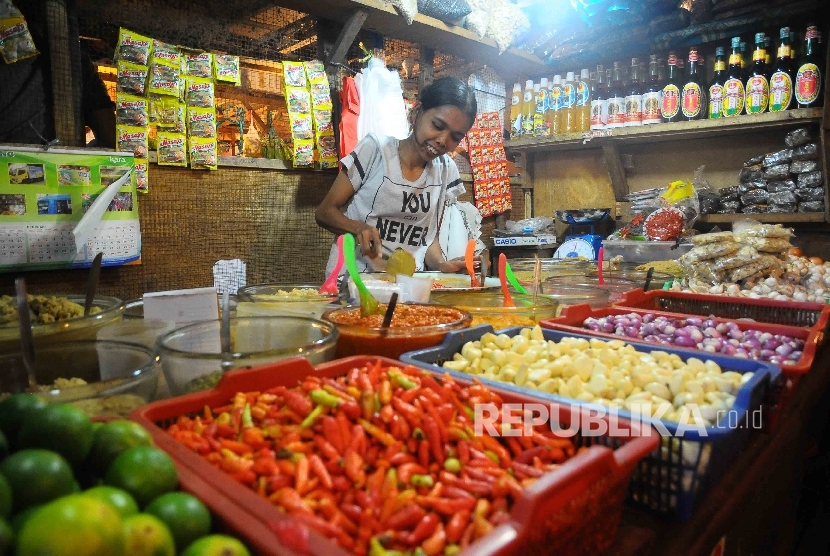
<point x="672" y="58"/>
<point x="529" y="84"/>
<point x="557" y="79"/>
<point x="584" y="74"/>
<point x="544" y="82"/>
<point x="743" y="45"/>
<point x="785" y="33"/>
<point x="635" y="62"/>
<point x="616" y="65"/>
<point x="517" y="87"/>
<point x="652" y="58"/>
<point x="719" y="51"/>
<point x="600" y="69"/>
<point x="535" y="87"/>
<point x="736" y="42"/>
<point x="759" y="38"/>
<point x="569" y="76"/>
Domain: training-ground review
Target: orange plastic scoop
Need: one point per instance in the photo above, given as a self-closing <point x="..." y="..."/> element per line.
<point x="508" y="299"/>
<point x="468" y="259"/>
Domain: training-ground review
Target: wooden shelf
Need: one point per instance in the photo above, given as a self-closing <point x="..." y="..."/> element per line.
<point x="668" y="132"/>
<point x="429" y="32"/>
<point x="775" y="218"/>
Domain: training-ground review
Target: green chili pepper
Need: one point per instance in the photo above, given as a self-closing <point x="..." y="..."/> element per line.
<point x="322" y="397"/>
<point x="375" y="548"/>
<point x="421" y="480"/>
<point x="451" y="550"/>
<point x="418" y="434"/>
<point x="316" y="412"/>
<point x="295" y="457"/>
<point x="470" y="413"/>
<point x="402" y="381"/>
<point x="377" y="405"/>
<point x="247" y="421"/>
<point x="453" y="465"/>
<point x="492" y="455"/>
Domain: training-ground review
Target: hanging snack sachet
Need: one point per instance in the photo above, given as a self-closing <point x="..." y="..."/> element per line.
<point x="294" y="74"/>
<point x="133" y="47"/>
<point x="199" y="93"/>
<point x="132" y="139"/>
<point x="203" y="153"/>
<point x="163" y="109"/>
<point x="320" y="96"/>
<point x="131" y="78"/>
<point x="297" y="100"/>
<point x="201" y="122"/>
<point x="140" y="171"/>
<point x="328" y="151"/>
<point x="316" y="72"/>
<point x="131" y="110"/>
<point x="303" y="152"/>
<point x="16" y="41"/>
<point x="165" y="85"/>
<point x="322" y="122"/>
<point x="199" y="64"/>
<point x="166" y="55"/>
<point x="172" y="149"/>
<point x="226" y="68"/>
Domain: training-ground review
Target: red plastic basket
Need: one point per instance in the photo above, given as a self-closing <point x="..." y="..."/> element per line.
<point x="573" y="510"/>
<point x="815" y="316"/>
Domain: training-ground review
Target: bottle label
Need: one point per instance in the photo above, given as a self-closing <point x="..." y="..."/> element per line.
<point x="720" y="65"/>
<point x="670" y="102"/>
<point x="780" y="91"/>
<point x="783" y="51"/>
<point x="568" y="95"/>
<point x="691" y="100"/>
<point x="516" y="125"/>
<point x="541" y="101"/>
<point x="515" y="99"/>
<point x="540" y="126"/>
<point x="582" y="93"/>
<point x="633" y="110"/>
<point x="651" y="107"/>
<point x="528" y="96"/>
<point x="733" y="104"/>
<point x="716" y="101"/>
<point x="735" y="59"/>
<point x="598" y="109"/>
<point x="759" y="56"/>
<point x="807" y="83"/>
<point x="555" y="99"/>
<point x="616" y="112"/>
<point x="757" y="94"/>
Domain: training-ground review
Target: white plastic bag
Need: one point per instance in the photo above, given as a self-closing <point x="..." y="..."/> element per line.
<point x="461" y="223"/>
<point x="382" y="110"/>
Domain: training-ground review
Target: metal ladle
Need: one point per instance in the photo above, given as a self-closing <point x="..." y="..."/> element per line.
<point x="27" y="343"/>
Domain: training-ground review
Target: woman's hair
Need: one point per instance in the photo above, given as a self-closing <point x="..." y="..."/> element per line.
<point x="449" y="91"/>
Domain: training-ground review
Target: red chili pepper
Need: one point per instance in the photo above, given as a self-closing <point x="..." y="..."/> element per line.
<point x="478" y="474"/>
<point x="301" y="479"/>
<point x="436" y="444"/>
<point x="381" y="435"/>
<point x="401" y="458"/>
<point x="456" y="525"/>
<point x="464" y="451"/>
<point x="291" y="500"/>
<point x="326" y="448"/>
<point x="423" y="453"/>
<point x="448" y="506"/>
<point x="265" y="466"/>
<point x="358" y="440"/>
<point x="425" y="528"/>
<point x="526" y="470"/>
<point x="317" y="467"/>
<point x="254" y="438"/>
<point x="349" y="408"/>
<point x="435" y="544"/>
<point x="408" y="411"/>
<point x="527" y="456"/>
<point x="341" y="483"/>
<point x="297" y="403"/>
<point x="276" y="482"/>
<point x="494" y="445"/>
<point x="455" y="492"/>
<point x="236" y="447"/>
<point x="406" y="471"/>
<point x="355" y="468"/>
<point x="352" y="511"/>
<point x="331" y="432"/>
<point x="437" y="421"/>
<point x="385" y="391"/>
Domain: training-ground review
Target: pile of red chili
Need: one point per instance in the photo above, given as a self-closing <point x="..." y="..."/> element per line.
<point x="384" y="458"/>
<point x="405" y="316"/>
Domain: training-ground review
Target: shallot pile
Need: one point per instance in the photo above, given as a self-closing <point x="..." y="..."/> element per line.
<point x="707" y="335"/>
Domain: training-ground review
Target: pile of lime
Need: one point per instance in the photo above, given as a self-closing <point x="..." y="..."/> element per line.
<point x="69" y="486"/>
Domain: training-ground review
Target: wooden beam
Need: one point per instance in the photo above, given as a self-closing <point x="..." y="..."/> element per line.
<point x="615" y="171"/>
<point x="347" y="35"/>
<point x="65" y="62"/>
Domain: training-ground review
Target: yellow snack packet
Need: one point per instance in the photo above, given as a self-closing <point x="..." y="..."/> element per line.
<point x="131" y="110"/>
<point x="131" y="78"/>
<point x="132" y="139"/>
<point x="226" y="68"/>
<point x="133" y="47"/>
<point x="201" y="122"/>
<point x="140" y="170"/>
<point x="294" y="74"/>
<point x="166" y="55"/>
<point x="327" y="149"/>
<point x="172" y="149"/>
<point x="316" y="72"/>
<point x="199" y="93"/>
<point x="16" y="41"/>
<point x="303" y="152"/>
<point x="199" y="64"/>
<point x="203" y="153"/>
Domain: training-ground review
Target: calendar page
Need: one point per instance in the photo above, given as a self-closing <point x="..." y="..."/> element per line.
<point x="43" y="195"/>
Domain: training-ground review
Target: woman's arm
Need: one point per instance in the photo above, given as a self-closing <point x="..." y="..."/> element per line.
<point x="435" y="260"/>
<point x="329" y="215"/>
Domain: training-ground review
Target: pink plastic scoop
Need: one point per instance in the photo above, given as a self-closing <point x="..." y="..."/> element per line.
<point x="330" y="285"/>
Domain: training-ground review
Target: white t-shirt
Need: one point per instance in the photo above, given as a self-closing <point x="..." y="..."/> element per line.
<point x="406" y="213"/>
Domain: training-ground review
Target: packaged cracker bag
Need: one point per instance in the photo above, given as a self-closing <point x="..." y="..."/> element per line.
<point x="132" y="139"/>
<point x="199" y="64"/>
<point x="301" y="127"/>
<point x="303" y="152"/>
<point x="140" y="172"/>
<point x="316" y="72"/>
<point x="133" y="47"/>
<point x="226" y="68"/>
<point x="322" y="121"/>
<point x="199" y="93"/>
<point x="201" y="122"/>
<point x="294" y="74"/>
<point x="15" y="39"/>
<point x="131" y="110"/>
<point x="298" y="100"/>
<point x="172" y="149"/>
<point x="328" y="151"/>
<point x="164" y="54"/>
<point x="203" y="153"/>
<point x="320" y="96"/>
<point x="163" y="109"/>
<point x="131" y="78"/>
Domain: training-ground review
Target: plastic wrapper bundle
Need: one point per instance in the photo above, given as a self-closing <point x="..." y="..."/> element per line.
<point x="764" y="262"/>
<point x="747" y="227"/>
<point x="786" y="209"/>
<point x="702" y="270"/>
<point x="714" y="237"/>
<point x="780" y="157"/>
<point x="754" y="209"/>
<point x="767" y="244"/>
<point x="741" y="257"/>
<point x="507" y="23"/>
<point x="709" y="202"/>
<point x="730" y="193"/>
<point x="748" y="186"/>
<point x="779" y="186"/>
<point x="710" y="251"/>
<point x="803" y="166"/>
<point x="755" y="197"/>
<point x="809" y="179"/>
<point x="782" y="198"/>
<point x="811" y="206"/>
<point x="806" y="152"/>
<point x="407" y="8"/>
<point x="754" y="160"/>
<point x="478" y="19"/>
<point x="446" y="10"/>
<point x="798" y="137"/>
<point x="751" y="173"/>
<point x="729" y="207"/>
<point x="777" y="172"/>
<point x="810" y="194"/>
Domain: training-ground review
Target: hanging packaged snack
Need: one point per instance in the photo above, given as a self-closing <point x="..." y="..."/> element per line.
<point x="226" y="68"/>
<point x="787" y="208"/>
<point x="297" y="100"/>
<point x="320" y="96"/>
<point x="782" y="198"/>
<point x="140" y="170"/>
<point x="131" y="78"/>
<point x="133" y="47"/>
<point x="166" y="55"/>
<point x="201" y="122"/>
<point x="746" y="227"/>
<point x="294" y="74"/>
<point x="132" y="139"/>
<point x="323" y="122"/>
<point x="327" y="150"/>
<point x="203" y="153"/>
<point x="809" y="179"/>
<point x="169" y="85"/>
<point x="780" y="157"/>
<point x="764" y="262"/>
<point x="316" y="72"/>
<point x="199" y="93"/>
<point x="303" y="153"/>
<point x="755" y="209"/>
<point x="714" y="237"/>
<point x="710" y="251"/>
<point x="802" y="166"/>
<point x="798" y="137"/>
<point x="806" y="152"/>
<point x="729" y="193"/>
<point x="15" y="39"/>
<point x="754" y="161"/>
<point x="163" y="109"/>
<point x="172" y="149"/>
<point x="131" y="110"/>
<point x="180" y="123"/>
<point x="729" y="207"/>
<point x="163" y="72"/>
<point x="199" y="64"/>
<point x="301" y="127"/>
<point x="741" y="257"/>
<point x="755" y="197"/>
<point x="746" y="187"/>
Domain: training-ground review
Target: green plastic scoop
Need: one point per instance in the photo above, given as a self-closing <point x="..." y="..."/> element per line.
<point x="368" y="304"/>
<point x="513" y="280"/>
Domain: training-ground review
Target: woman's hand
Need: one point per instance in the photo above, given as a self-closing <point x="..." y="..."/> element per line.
<point x="369" y="240"/>
<point x="453" y="266"/>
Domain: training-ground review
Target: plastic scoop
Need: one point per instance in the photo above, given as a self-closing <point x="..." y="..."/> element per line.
<point x="400" y="262"/>
<point x="330" y="285"/>
<point x="512" y="279"/>
<point x="600" y="280"/>
<point x="368" y="304"/>
<point x="508" y="299"/>
<point x="468" y="259"/>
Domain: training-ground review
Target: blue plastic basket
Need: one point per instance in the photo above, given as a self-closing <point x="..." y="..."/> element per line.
<point x="683" y="469"/>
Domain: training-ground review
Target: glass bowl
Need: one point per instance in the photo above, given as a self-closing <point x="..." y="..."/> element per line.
<point x="614" y="285"/>
<point x="281" y="299"/>
<point x="120" y="376"/>
<point x="523" y="269"/>
<point x="360" y="336"/>
<point x="573" y="295"/>
<point x="134" y="308"/>
<point x="488" y="308"/>
<point x="192" y="358"/>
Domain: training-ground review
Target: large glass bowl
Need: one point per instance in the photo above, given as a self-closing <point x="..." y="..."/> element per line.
<point x="281" y="299"/>
<point x="120" y="376"/>
<point x="614" y="285"/>
<point x="573" y="295"/>
<point x="638" y="277"/>
<point x="134" y="308"/>
<point x="359" y="337"/>
<point x="488" y="308"/>
<point x="192" y="358"/>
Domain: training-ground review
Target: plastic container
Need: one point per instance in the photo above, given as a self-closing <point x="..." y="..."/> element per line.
<point x="357" y="339"/>
<point x="488" y="308"/>
<point x="523" y="269"/>
<point x="120" y="376"/>
<point x="192" y="358"/>
<point x="678" y="475"/>
<point x="278" y="299"/>
<point x="644" y="251"/>
<point x="615" y="286"/>
<point x="567" y="296"/>
<point x="815" y="316"/>
<point x="638" y="277"/>
<point x="572" y="510"/>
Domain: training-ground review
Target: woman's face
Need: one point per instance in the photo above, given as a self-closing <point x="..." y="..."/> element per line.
<point x="438" y="130"/>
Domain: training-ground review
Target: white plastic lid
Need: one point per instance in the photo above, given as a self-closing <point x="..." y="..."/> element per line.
<point x="557" y="79"/>
<point x="536" y="88"/>
<point x="584" y="74"/>
<point x="570" y="76"/>
<point x="517" y="87"/>
<point x="529" y="84"/>
<point x="544" y="82"/>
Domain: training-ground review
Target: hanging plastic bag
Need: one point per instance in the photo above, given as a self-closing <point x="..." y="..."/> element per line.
<point x="479" y="17"/>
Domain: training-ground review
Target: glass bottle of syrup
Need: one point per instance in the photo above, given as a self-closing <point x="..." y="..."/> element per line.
<point x="733" y="89"/>
<point x="781" y="79"/>
<point x="651" y="93"/>
<point x="616" y="99"/>
<point x="716" y="88"/>
<point x="599" y="99"/>
<point x="634" y="97"/>
<point x="757" y="86"/>
<point x="670" y="95"/>
<point x="809" y="83"/>
<point x="693" y="95"/>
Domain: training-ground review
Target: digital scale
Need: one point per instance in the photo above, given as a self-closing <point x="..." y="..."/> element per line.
<point x="581" y="245"/>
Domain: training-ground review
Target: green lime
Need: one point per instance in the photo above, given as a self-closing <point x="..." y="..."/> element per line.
<point x="185" y="515"/>
<point x="13" y="411"/>
<point x="61" y="427"/>
<point x="6" y="536"/>
<point x="5" y="499"/>
<point x="36" y="477"/>
<point x="216" y="545"/>
<point x="72" y="526"/>
<point x="112" y="439"/>
<point x="119" y="499"/>
<point x="147" y="535"/>
<point x="145" y="472"/>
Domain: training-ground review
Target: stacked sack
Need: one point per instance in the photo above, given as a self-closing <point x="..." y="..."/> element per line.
<point x="786" y="181"/>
